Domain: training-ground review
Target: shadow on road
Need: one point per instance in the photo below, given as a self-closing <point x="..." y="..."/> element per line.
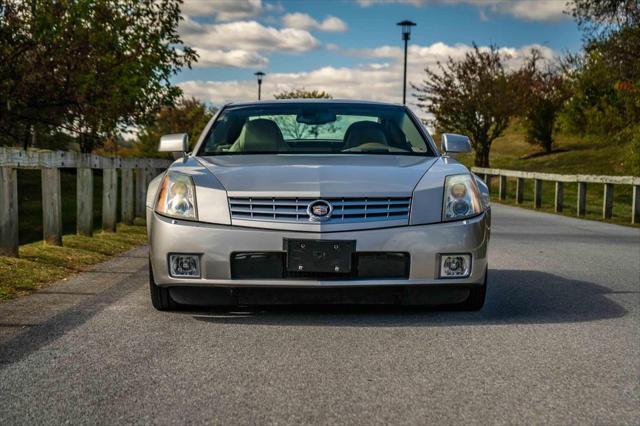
<point x="514" y="297"/>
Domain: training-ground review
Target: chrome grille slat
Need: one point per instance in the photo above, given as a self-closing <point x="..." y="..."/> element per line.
<point x="345" y="210"/>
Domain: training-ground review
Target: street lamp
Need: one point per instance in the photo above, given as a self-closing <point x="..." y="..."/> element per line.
<point x="406" y="34"/>
<point x="259" y="76"/>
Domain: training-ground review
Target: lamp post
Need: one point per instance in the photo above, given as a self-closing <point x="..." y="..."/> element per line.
<point x="259" y="76"/>
<point x="406" y="34"/>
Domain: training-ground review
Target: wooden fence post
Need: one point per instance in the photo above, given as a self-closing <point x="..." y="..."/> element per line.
<point x="607" y="201"/>
<point x="9" y="242"/>
<point x="635" y="207"/>
<point x="503" y="187"/>
<point x="487" y="180"/>
<point x="84" y="194"/>
<point x="537" y="193"/>
<point x="127" y="201"/>
<point x="109" y="199"/>
<point x="519" y="190"/>
<point x="582" y="199"/>
<point x="150" y="173"/>
<point x="559" y="196"/>
<point x="51" y="206"/>
<point x="141" y="190"/>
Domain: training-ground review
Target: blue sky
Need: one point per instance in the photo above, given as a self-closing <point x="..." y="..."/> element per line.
<point x="352" y="49"/>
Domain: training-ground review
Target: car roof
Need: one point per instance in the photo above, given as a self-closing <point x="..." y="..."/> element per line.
<point x="311" y="101"/>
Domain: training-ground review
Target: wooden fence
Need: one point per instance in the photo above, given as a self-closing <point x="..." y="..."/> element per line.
<point x="580" y="180"/>
<point x="135" y="174"/>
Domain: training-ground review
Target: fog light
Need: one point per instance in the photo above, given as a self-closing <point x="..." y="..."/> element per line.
<point x="455" y="265"/>
<point x="184" y="265"/>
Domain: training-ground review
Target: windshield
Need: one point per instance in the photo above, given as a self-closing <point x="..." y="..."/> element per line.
<point x="315" y="129"/>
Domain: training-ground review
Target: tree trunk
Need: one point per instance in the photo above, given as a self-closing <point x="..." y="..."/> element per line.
<point x="482" y="156"/>
<point x="26" y="138"/>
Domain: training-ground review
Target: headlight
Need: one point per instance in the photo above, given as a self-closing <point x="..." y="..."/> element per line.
<point x="177" y="197"/>
<point x="461" y="198"/>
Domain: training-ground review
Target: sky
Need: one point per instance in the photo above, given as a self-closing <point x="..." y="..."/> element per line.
<point x="353" y="48"/>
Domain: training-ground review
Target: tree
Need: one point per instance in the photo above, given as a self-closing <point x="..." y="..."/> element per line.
<point x="87" y="68"/>
<point x="301" y="93"/>
<point x="291" y="129"/>
<point x="188" y="116"/>
<point x="544" y="94"/>
<point x="473" y="96"/>
<point x="605" y="78"/>
<point x="598" y="18"/>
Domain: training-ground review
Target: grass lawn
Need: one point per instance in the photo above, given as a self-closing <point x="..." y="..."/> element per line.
<point x="592" y="157"/>
<point x="40" y="264"/>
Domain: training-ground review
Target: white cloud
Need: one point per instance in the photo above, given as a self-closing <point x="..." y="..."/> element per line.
<point x="305" y="22"/>
<point x="230" y="58"/>
<point x="377" y="81"/>
<point x="223" y="10"/>
<point x="440" y="52"/>
<point x="246" y="35"/>
<point x="534" y="10"/>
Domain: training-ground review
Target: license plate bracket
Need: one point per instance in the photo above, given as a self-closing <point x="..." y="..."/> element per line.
<point x="320" y="256"/>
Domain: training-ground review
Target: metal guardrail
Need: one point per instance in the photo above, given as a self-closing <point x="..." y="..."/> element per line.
<point x="580" y="180"/>
<point x="135" y="174"/>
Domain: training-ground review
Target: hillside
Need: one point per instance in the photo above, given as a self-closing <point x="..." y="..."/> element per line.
<point x="574" y="156"/>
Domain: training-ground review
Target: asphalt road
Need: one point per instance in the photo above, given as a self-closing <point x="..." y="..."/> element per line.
<point x="558" y="342"/>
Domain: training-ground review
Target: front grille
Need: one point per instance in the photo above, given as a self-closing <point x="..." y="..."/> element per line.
<point x="345" y="210"/>
<point x="366" y="265"/>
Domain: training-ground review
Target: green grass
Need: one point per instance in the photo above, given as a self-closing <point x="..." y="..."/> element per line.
<point x="582" y="156"/>
<point x="40" y="264"/>
<point x="590" y="157"/>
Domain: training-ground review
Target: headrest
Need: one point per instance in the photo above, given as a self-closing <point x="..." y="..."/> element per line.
<point x="364" y="132"/>
<point x="259" y="135"/>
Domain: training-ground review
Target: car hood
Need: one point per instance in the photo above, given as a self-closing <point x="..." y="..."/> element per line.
<point x="337" y="175"/>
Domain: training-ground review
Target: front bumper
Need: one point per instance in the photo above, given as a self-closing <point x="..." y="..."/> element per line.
<point x="216" y="243"/>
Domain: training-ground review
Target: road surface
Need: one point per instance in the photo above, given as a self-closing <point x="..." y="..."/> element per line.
<point x="558" y="342"/>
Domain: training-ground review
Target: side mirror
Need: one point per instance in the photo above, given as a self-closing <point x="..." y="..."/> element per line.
<point x="455" y="143"/>
<point x="176" y="143"/>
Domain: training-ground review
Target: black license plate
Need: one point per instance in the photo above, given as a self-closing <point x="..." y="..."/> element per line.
<point x="319" y="255"/>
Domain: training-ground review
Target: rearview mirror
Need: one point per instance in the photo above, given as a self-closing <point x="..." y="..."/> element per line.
<point x="312" y="117"/>
<point x="452" y="142"/>
<point x="178" y="142"/>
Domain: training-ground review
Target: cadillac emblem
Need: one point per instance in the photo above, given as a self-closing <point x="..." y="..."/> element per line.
<point x="319" y="211"/>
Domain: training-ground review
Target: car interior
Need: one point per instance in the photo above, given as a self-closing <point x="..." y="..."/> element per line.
<point x="237" y="134"/>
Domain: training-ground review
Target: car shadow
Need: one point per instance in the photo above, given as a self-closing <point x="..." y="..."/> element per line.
<point x="513" y="297"/>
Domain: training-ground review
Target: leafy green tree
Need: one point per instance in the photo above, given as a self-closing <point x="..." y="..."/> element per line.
<point x="475" y="96"/>
<point x="188" y="116"/>
<point x="606" y="76"/>
<point x="87" y="68"/>
<point x="302" y="93"/>
<point x="544" y="94"/>
<point x="598" y="18"/>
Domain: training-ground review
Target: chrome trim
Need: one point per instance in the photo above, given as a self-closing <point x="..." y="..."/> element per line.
<point x="344" y="210"/>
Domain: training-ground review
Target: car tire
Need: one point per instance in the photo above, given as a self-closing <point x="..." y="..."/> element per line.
<point x="160" y="297"/>
<point x="476" y="298"/>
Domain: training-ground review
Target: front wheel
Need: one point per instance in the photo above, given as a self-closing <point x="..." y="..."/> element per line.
<point x="476" y="298"/>
<point x="160" y="297"/>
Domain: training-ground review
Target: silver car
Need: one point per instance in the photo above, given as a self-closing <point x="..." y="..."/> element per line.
<point x="317" y="202"/>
